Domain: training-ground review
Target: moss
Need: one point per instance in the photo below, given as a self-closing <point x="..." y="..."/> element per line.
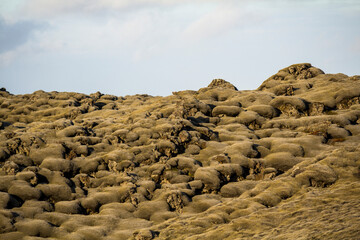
<point x="79" y="166"/>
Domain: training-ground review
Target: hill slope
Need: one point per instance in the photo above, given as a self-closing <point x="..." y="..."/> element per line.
<point x="279" y="162"/>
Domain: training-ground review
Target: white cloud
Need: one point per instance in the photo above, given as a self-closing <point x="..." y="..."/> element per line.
<point x="139" y="28"/>
<point x="146" y="28"/>
<point x="45" y="9"/>
<point x="223" y="19"/>
<point x="8" y="57"/>
<point x="13" y="35"/>
<point x="213" y="23"/>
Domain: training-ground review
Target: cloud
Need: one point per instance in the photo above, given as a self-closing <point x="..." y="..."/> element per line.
<point x="224" y="18"/>
<point x="40" y="9"/>
<point x="139" y="29"/>
<point x="16" y="34"/>
<point x="213" y="23"/>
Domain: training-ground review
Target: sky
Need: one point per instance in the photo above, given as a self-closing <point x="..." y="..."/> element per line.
<point x="155" y="47"/>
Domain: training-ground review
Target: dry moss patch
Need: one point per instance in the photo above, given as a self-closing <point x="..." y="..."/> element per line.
<point x="279" y="162"/>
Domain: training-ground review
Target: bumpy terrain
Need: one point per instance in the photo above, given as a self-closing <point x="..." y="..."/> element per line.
<point x="279" y="162"/>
